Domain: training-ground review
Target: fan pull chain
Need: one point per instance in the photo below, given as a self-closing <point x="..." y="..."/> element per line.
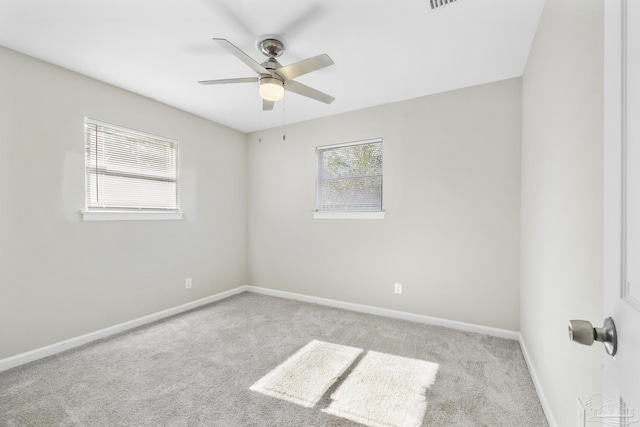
<point x="284" y="120"/>
<point x="260" y="122"/>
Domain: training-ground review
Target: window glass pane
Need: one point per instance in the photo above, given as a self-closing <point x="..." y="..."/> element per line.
<point x="350" y="177"/>
<point x="126" y="169"/>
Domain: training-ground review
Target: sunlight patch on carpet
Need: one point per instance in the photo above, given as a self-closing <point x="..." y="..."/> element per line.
<point x="305" y="376"/>
<point x="385" y="390"/>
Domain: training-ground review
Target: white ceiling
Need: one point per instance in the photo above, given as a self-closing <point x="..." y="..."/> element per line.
<point x="384" y="51"/>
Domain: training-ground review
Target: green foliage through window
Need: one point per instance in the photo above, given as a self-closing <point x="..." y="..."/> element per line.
<point x="350" y="177"/>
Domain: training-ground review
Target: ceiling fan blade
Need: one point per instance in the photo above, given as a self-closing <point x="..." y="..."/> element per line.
<point x="267" y="105"/>
<point x="225" y="81"/>
<point x="307" y="91"/>
<point x="291" y="71"/>
<point x="235" y="51"/>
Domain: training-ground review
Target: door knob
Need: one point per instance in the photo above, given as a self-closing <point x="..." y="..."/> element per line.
<point x="583" y="332"/>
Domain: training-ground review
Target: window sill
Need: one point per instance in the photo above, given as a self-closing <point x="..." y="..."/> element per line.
<point x="349" y="215"/>
<point x="130" y="216"/>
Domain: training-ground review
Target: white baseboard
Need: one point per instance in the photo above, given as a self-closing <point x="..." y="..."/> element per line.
<point x="39" y="353"/>
<point x="418" y="318"/>
<point x="536" y="382"/>
<point x="21" y="359"/>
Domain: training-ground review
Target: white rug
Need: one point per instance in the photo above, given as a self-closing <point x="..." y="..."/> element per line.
<point x="305" y="376"/>
<point x="384" y="391"/>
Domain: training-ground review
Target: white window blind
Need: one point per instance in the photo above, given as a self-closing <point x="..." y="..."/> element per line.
<point x="128" y="170"/>
<point x="350" y="177"/>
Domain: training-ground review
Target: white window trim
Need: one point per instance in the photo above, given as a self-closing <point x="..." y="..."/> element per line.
<point x="349" y="215"/>
<point x="348" y="144"/>
<point x="129" y="216"/>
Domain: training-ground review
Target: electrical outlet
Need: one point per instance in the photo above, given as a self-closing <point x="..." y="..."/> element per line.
<point x="397" y="288"/>
<point x="188" y="283"/>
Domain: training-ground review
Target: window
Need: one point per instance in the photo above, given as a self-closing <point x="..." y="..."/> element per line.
<point x="350" y="179"/>
<point x="128" y="171"/>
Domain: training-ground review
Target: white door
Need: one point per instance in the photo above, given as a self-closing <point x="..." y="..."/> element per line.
<point x="621" y="403"/>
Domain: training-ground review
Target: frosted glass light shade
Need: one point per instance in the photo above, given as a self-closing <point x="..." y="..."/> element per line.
<point x="271" y="89"/>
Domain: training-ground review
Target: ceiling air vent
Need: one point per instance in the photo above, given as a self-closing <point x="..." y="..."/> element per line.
<point x="435" y="4"/>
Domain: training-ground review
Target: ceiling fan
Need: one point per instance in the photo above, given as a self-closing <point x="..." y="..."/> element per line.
<point x="274" y="78"/>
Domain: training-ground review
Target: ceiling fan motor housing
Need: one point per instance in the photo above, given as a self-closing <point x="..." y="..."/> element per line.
<point x="271" y="64"/>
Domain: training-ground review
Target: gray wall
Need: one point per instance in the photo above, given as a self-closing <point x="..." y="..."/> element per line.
<point x="562" y="200"/>
<point x="452" y="193"/>
<point x="61" y="277"/>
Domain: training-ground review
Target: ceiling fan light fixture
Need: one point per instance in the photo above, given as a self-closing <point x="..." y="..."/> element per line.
<point x="271" y="89"/>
